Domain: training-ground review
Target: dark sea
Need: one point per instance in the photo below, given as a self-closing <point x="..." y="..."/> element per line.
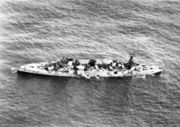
<point x="44" y="30"/>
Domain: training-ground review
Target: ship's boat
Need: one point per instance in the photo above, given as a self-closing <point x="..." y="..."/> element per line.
<point x="67" y="67"/>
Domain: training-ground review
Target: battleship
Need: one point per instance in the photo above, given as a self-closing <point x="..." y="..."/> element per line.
<point x="100" y="68"/>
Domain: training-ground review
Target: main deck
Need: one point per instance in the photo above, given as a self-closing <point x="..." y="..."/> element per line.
<point x="101" y="68"/>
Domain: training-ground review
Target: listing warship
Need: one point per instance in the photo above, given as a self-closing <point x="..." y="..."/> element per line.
<point x="68" y="67"/>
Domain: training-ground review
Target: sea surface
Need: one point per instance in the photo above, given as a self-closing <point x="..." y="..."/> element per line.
<point x="45" y="30"/>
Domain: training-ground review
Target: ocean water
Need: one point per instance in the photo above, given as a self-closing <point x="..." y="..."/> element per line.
<point x="45" y="30"/>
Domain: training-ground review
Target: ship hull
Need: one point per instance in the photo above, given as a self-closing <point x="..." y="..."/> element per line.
<point x="136" y="71"/>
